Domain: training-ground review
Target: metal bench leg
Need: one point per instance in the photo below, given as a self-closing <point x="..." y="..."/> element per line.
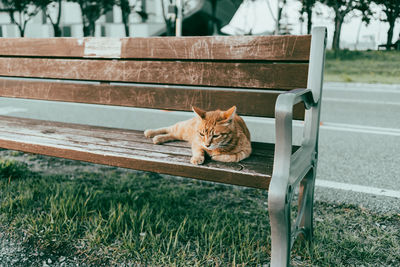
<point x="279" y="212"/>
<point x="282" y="235"/>
<point x="304" y="221"/>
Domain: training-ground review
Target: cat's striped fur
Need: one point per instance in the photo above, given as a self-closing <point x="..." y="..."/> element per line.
<point x="221" y="134"/>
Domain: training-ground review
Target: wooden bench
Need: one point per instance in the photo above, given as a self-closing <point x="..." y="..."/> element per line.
<point x="258" y="74"/>
<point x="395" y="46"/>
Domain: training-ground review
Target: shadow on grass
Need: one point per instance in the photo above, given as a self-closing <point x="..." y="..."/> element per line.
<point x="125" y="217"/>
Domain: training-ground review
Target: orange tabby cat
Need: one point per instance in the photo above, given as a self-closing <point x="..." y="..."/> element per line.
<point x="221" y="134"/>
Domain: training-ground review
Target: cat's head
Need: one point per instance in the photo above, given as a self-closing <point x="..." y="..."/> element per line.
<point x="215" y="128"/>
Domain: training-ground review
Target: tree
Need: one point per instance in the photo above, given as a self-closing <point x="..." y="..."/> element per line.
<point x="169" y="20"/>
<point x="126" y="9"/>
<point x="281" y="5"/>
<point x="91" y="12"/>
<point x="23" y="9"/>
<point x="55" y="22"/>
<point x="307" y="6"/>
<point x="392" y="11"/>
<point x="342" y="9"/>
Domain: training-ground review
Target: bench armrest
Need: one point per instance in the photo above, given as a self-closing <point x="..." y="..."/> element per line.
<point x="290" y="168"/>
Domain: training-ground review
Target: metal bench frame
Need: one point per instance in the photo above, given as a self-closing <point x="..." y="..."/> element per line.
<point x="290" y="170"/>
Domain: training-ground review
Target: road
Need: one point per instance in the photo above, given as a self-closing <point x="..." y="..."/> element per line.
<point x="359" y="146"/>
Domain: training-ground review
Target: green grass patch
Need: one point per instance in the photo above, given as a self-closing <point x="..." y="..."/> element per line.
<point x="363" y="66"/>
<point x="119" y="216"/>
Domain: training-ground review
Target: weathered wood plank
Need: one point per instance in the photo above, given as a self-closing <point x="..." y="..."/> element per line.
<point x="248" y="102"/>
<point x="119" y="139"/>
<point x="276" y="48"/>
<point x="83" y="143"/>
<point x="292" y="48"/>
<point x="119" y="135"/>
<point x="248" y="75"/>
<point x="42" y="47"/>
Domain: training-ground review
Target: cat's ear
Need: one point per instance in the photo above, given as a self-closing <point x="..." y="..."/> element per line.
<point x="201" y="113"/>
<point x="230" y="114"/>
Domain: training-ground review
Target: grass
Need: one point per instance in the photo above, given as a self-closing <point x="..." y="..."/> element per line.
<point x="363" y="66"/>
<point x="119" y="216"/>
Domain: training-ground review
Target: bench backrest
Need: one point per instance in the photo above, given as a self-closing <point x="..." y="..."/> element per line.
<point x="161" y="72"/>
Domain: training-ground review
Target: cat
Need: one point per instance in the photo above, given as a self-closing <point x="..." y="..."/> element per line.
<point x="223" y="135"/>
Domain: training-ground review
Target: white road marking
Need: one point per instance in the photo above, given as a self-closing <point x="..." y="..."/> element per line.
<point x="360" y="101"/>
<point x="357" y="188"/>
<point x="359" y="128"/>
<point x="372" y="88"/>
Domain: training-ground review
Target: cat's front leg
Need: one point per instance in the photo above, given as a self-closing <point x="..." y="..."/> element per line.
<point x="197" y="155"/>
<point x="150" y="133"/>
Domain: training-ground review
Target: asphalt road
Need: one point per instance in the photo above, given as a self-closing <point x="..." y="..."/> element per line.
<point x="359" y="145"/>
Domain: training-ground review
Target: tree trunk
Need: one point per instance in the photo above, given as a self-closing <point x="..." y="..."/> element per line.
<point x="21" y="31"/>
<point x="56" y="26"/>
<point x="213" y="15"/>
<point x="57" y="30"/>
<point x="20" y="27"/>
<point x="127" y="32"/>
<point x="309" y="19"/>
<point x="89" y="29"/>
<point x="170" y="25"/>
<point x="336" y="34"/>
<point x="278" y="20"/>
<point x="125" y="21"/>
<point x="88" y="22"/>
<point x="390" y="35"/>
<point x="126" y="11"/>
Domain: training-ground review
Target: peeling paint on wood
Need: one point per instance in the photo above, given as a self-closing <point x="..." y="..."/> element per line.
<point x="103" y="47"/>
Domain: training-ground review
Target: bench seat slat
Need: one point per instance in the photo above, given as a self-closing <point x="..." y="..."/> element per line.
<point x="103" y="136"/>
<point x="130" y="149"/>
<point x="289" y="48"/>
<point x="248" y="102"/>
<point x="224" y="74"/>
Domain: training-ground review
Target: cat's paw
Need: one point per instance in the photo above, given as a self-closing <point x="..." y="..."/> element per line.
<point x="197" y="160"/>
<point x="158" y="139"/>
<point x="149" y="133"/>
